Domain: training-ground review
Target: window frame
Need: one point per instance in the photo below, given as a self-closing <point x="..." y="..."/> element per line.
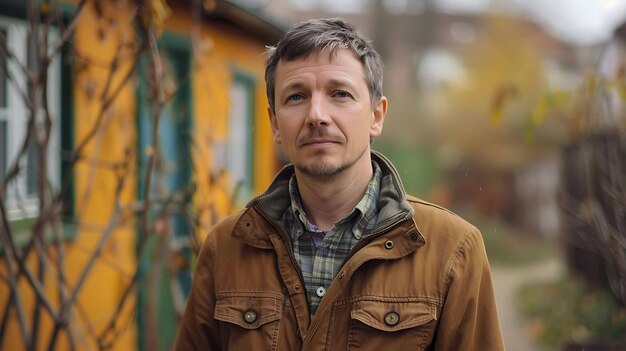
<point x="246" y="80"/>
<point x="21" y="205"/>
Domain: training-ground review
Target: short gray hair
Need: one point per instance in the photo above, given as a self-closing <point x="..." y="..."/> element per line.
<point x="317" y="35"/>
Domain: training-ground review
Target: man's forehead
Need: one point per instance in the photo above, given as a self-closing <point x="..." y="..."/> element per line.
<point x="324" y="55"/>
<point x="342" y="60"/>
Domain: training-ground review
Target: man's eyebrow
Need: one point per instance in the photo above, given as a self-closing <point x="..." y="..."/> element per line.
<point x="335" y="82"/>
<point x="293" y="85"/>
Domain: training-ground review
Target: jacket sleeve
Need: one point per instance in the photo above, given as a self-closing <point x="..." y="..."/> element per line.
<point x="469" y="319"/>
<point x="198" y="330"/>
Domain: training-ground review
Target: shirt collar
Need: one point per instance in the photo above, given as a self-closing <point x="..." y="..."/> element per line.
<point x="365" y="209"/>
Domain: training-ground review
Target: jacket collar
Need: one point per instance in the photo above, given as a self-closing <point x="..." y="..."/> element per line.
<point x="391" y="202"/>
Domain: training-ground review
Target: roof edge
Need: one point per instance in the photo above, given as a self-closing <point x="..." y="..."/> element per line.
<point x="258" y="23"/>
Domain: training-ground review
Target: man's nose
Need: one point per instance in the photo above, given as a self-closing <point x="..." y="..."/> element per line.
<point x="318" y="113"/>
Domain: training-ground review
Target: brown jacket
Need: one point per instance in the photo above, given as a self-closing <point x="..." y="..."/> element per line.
<point x="421" y="283"/>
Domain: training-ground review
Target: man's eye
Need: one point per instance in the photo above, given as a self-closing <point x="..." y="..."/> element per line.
<point x="295" y="97"/>
<point x="342" y="94"/>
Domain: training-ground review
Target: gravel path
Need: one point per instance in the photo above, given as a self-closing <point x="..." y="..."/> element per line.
<point x="507" y="282"/>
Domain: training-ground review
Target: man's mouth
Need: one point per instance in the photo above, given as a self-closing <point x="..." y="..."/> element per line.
<point x="319" y="142"/>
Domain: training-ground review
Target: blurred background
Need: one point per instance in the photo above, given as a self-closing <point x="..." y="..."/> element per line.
<point x="129" y="127"/>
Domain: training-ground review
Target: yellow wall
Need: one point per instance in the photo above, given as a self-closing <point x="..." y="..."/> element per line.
<point x="217" y="48"/>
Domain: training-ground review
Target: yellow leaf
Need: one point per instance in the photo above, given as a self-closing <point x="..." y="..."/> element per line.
<point x="157" y="11"/>
<point x="496" y="116"/>
<point x="559" y="98"/>
<point x="44" y="8"/>
<point x="540" y="111"/>
<point x="501" y="97"/>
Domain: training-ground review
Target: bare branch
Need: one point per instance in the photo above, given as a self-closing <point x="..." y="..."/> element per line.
<point x="112" y="224"/>
<point x="157" y="105"/>
<point x="5" y="315"/>
<point x="69" y="30"/>
<point x="8" y="243"/>
<point x="9" y="54"/>
<point x="110" y="98"/>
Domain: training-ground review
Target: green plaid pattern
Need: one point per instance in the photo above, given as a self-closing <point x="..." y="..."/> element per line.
<point x="319" y="265"/>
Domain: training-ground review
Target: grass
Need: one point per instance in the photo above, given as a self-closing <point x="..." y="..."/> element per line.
<point x="570" y="311"/>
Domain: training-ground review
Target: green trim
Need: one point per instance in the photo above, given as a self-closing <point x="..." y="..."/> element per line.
<point x="21" y="231"/>
<point x="67" y="132"/>
<point x="140" y="92"/>
<point x="67" y="9"/>
<point x="143" y="264"/>
<point x="17" y="9"/>
<point x="175" y="41"/>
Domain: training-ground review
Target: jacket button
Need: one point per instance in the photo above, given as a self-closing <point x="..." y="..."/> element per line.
<point x="341" y="274"/>
<point x="388" y="244"/>
<point x="413" y="236"/>
<point x="250" y="315"/>
<point x="392" y="318"/>
<point x="320" y="292"/>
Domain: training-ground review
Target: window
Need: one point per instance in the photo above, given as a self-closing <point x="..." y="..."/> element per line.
<point x="22" y="192"/>
<point x="240" y="136"/>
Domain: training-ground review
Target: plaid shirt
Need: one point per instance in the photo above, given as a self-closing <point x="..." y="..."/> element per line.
<point x="321" y="254"/>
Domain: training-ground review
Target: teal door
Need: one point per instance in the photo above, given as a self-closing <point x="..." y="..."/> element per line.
<point x="164" y="281"/>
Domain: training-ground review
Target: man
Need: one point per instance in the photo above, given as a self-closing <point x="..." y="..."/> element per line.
<point x="334" y="255"/>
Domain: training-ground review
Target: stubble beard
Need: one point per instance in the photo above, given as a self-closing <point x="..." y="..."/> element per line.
<point x="325" y="171"/>
<point x="321" y="172"/>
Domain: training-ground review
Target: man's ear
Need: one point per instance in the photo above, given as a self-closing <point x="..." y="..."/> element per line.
<point x="274" y="124"/>
<point x="378" y="117"/>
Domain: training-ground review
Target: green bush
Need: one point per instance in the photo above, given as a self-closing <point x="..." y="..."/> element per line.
<point x="507" y="246"/>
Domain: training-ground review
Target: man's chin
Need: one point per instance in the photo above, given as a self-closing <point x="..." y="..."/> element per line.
<point x="319" y="171"/>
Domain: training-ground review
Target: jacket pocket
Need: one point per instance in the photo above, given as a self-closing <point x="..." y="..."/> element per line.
<point x="381" y="325"/>
<point x="249" y="320"/>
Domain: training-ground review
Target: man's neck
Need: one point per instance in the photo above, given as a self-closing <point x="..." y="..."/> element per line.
<point x="327" y="201"/>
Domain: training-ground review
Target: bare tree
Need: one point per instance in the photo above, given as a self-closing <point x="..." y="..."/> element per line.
<point x="594" y="188"/>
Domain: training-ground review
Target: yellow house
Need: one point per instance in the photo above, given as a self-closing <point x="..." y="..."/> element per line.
<point x="111" y="268"/>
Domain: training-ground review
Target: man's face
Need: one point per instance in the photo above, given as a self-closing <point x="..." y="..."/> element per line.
<point x="323" y="117"/>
